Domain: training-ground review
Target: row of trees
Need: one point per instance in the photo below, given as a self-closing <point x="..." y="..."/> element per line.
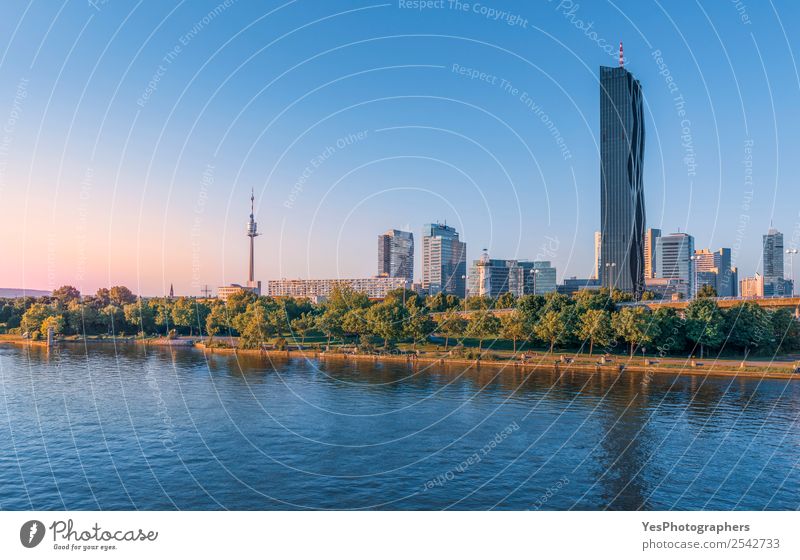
<point x="587" y="321"/>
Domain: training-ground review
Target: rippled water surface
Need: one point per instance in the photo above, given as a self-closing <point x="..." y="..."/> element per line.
<point x="130" y="428"/>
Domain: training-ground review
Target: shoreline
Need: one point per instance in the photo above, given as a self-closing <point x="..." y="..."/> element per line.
<point x="532" y="365"/>
<point x="539" y="362"/>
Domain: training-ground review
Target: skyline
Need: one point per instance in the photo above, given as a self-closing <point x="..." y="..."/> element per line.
<point x="117" y="182"/>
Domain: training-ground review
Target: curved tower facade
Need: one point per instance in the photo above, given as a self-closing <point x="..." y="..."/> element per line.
<point x="622" y="211"/>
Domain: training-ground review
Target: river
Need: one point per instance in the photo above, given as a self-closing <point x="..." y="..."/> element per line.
<point x="173" y="428"/>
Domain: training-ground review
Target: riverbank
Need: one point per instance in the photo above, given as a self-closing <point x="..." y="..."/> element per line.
<point x="534" y="362"/>
<point x="565" y="362"/>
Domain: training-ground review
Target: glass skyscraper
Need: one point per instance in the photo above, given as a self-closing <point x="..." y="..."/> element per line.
<point x="774" y="282"/>
<point x="396" y="254"/>
<point x="622" y="212"/>
<point x="773" y="255"/>
<point x="444" y="261"/>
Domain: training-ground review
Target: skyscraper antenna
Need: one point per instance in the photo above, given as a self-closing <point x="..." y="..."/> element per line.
<point x="621" y="57"/>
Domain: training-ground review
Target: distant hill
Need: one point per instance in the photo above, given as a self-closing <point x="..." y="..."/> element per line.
<point x="20" y="292"/>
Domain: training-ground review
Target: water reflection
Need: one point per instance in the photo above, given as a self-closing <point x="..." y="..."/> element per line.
<point x="157" y="427"/>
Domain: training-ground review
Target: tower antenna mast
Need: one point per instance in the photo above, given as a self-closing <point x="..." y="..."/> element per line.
<point x="621" y="57"/>
<point x="252" y="233"/>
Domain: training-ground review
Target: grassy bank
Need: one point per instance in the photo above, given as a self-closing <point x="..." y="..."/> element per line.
<point x="466" y="356"/>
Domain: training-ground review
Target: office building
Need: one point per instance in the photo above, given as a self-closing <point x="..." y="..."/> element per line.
<point x="773" y="255"/>
<point x="318" y="289"/>
<point x="778" y="288"/>
<point x="650" y="264"/>
<point x="704" y="261"/>
<point x="622" y="209"/>
<point x="667" y="288"/>
<point x="444" y="260"/>
<point x="396" y="254"/>
<point x="705" y="269"/>
<point x="674" y="254"/>
<point x="494" y="277"/>
<point x="714" y="269"/>
<point x="705" y="278"/>
<point x="572" y="285"/>
<point x="774" y="282"/>
<point x="540" y="277"/>
<point x="752" y="287"/>
<point x="727" y="282"/>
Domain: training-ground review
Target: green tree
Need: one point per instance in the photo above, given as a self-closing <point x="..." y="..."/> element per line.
<point x="705" y="324"/>
<point x="483" y="324"/>
<point x="183" y="314"/>
<point x="343" y="298"/>
<point x="387" y="320"/>
<point x="162" y="312"/>
<point x="238" y="301"/>
<point x="506" y="300"/>
<point x="103" y="297"/>
<point x="56" y="322"/>
<point x="140" y="315"/>
<point x="706" y="291"/>
<point x="441" y="302"/>
<point x="404" y="296"/>
<point x="120" y="295"/>
<point x="479" y="302"/>
<point x="35" y="315"/>
<point x="296" y="307"/>
<point x="593" y="299"/>
<point x="279" y="319"/>
<point x="632" y="324"/>
<point x="550" y="328"/>
<point x="554" y="301"/>
<point x="354" y="322"/>
<point x="217" y="319"/>
<point x="113" y="319"/>
<point x="669" y="330"/>
<point x="329" y="323"/>
<point x="786" y="330"/>
<point x="595" y="326"/>
<point x="620" y="296"/>
<point x="418" y="324"/>
<point x="451" y="325"/>
<point x="66" y="294"/>
<point x="531" y="307"/>
<point x="256" y="327"/>
<point x="513" y="327"/>
<point x="82" y="318"/>
<point x="748" y="328"/>
<point x="303" y="325"/>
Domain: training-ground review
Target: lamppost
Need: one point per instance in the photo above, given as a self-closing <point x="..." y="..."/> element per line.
<point x="791" y="253"/>
<point x="609" y="266"/>
<point x="694" y="259"/>
<point x="464" y="278"/>
<point x="534" y="273"/>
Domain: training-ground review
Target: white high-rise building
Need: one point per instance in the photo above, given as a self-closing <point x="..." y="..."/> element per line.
<point x="674" y="257"/>
<point x="598" y="246"/>
<point x="444" y="261"/>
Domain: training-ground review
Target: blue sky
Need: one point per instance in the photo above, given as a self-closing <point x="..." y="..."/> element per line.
<point x="134" y="131"/>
